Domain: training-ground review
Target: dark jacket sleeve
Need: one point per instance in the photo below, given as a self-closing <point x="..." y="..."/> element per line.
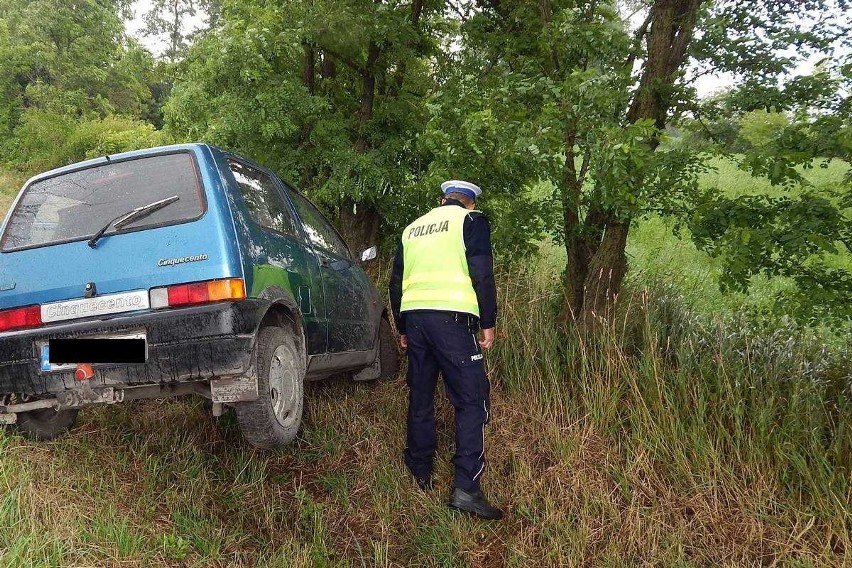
<point x="480" y="263"/>
<point x="396" y="289"/>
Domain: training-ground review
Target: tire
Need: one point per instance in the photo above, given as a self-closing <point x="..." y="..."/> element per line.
<point x="45" y="424"/>
<point x="272" y="421"/>
<point x="388" y="352"/>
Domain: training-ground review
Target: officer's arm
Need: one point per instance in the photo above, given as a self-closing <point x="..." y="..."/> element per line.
<point x="396" y="289"/>
<point x="480" y="263"/>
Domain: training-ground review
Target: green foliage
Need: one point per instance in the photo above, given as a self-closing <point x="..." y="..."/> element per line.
<point x="112" y="135"/>
<point x="803" y="234"/>
<point x="62" y="63"/>
<point x="46" y="139"/>
<point x="523" y="79"/>
<point x="168" y="18"/>
<point x="797" y="237"/>
<point x="37" y="137"/>
<point x="369" y="106"/>
<point x="70" y="58"/>
<point x="174" y="547"/>
<point x="749" y="37"/>
<point x="519" y="222"/>
<point x="760" y="127"/>
<point x="525" y="93"/>
<point x="289" y="85"/>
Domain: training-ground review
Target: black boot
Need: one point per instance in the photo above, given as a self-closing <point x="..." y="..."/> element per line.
<point x="474" y="503"/>
<point x="425" y="483"/>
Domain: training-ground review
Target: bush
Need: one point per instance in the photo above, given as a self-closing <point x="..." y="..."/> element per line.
<point x="38" y="141"/>
<point x="110" y="135"/>
<point x="46" y="139"/>
<point x="759" y="127"/>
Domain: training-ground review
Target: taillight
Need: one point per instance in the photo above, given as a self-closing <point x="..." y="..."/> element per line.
<point x="198" y="293"/>
<point x="20" y="318"/>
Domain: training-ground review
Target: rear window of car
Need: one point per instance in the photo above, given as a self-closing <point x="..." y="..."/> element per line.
<point x="78" y="204"/>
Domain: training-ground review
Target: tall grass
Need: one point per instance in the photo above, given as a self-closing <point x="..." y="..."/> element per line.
<point x="717" y="431"/>
<point x="669" y="440"/>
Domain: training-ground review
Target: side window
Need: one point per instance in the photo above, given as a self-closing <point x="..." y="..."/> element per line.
<point x="263" y="201"/>
<point x="319" y="232"/>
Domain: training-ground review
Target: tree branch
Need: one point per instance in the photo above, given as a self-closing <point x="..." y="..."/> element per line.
<point x="638" y="37"/>
<point x="348" y="61"/>
<point x="584" y="167"/>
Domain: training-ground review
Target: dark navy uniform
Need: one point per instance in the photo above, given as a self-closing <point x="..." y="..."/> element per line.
<point x="446" y="341"/>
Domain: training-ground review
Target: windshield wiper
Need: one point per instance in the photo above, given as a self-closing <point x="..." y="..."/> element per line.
<point x="126" y="218"/>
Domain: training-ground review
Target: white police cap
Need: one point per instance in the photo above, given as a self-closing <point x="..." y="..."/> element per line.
<point x="458" y="186"/>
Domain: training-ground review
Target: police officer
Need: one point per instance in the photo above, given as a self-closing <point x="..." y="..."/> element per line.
<point x="442" y="294"/>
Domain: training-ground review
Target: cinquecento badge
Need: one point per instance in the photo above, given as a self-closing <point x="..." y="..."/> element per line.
<point x="181" y="260"/>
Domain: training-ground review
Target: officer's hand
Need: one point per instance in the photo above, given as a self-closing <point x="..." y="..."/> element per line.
<point x="487" y="338"/>
<point x="403" y="341"/>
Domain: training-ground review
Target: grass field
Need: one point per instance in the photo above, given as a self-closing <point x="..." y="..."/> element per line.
<point x="655" y="252"/>
<point x="670" y="442"/>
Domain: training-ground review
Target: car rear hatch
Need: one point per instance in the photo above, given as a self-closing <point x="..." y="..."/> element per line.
<point x="50" y="257"/>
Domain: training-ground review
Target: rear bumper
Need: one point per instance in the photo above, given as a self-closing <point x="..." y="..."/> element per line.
<point x="187" y="344"/>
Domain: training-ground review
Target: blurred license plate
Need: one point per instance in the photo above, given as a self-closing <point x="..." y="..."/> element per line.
<point x="65" y="353"/>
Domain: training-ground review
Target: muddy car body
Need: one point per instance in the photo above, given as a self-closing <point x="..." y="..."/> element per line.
<point x="175" y="270"/>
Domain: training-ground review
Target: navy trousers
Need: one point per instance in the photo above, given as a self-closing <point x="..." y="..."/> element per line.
<point x="446" y="342"/>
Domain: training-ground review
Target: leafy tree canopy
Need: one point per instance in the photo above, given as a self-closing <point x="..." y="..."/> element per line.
<point x="70" y="57"/>
<point x="63" y="63"/>
<point x="558" y="108"/>
<point x="331" y="94"/>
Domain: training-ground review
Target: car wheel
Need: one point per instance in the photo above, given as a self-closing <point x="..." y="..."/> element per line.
<point x="45" y="424"/>
<point x="388" y="352"/>
<point x="272" y="421"/>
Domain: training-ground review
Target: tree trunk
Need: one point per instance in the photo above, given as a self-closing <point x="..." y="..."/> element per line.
<point x="359" y="222"/>
<point x="605" y="275"/>
<point x="309" y="69"/>
<point x="577" y="262"/>
<point x="359" y="225"/>
<point x="368" y="95"/>
<point x="671" y="29"/>
<point x="175" y="35"/>
<point x="597" y="262"/>
<point x="309" y="81"/>
<point x="416" y="12"/>
<point x="328" y="70"/>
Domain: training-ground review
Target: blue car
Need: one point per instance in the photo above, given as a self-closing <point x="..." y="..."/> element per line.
<point x="178" y="270"/>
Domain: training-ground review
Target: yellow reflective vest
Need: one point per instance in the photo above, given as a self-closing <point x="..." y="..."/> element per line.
<point x="435" y="273"/>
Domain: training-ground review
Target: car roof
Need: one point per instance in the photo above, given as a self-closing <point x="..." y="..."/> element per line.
<point x="117" y="157"/>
